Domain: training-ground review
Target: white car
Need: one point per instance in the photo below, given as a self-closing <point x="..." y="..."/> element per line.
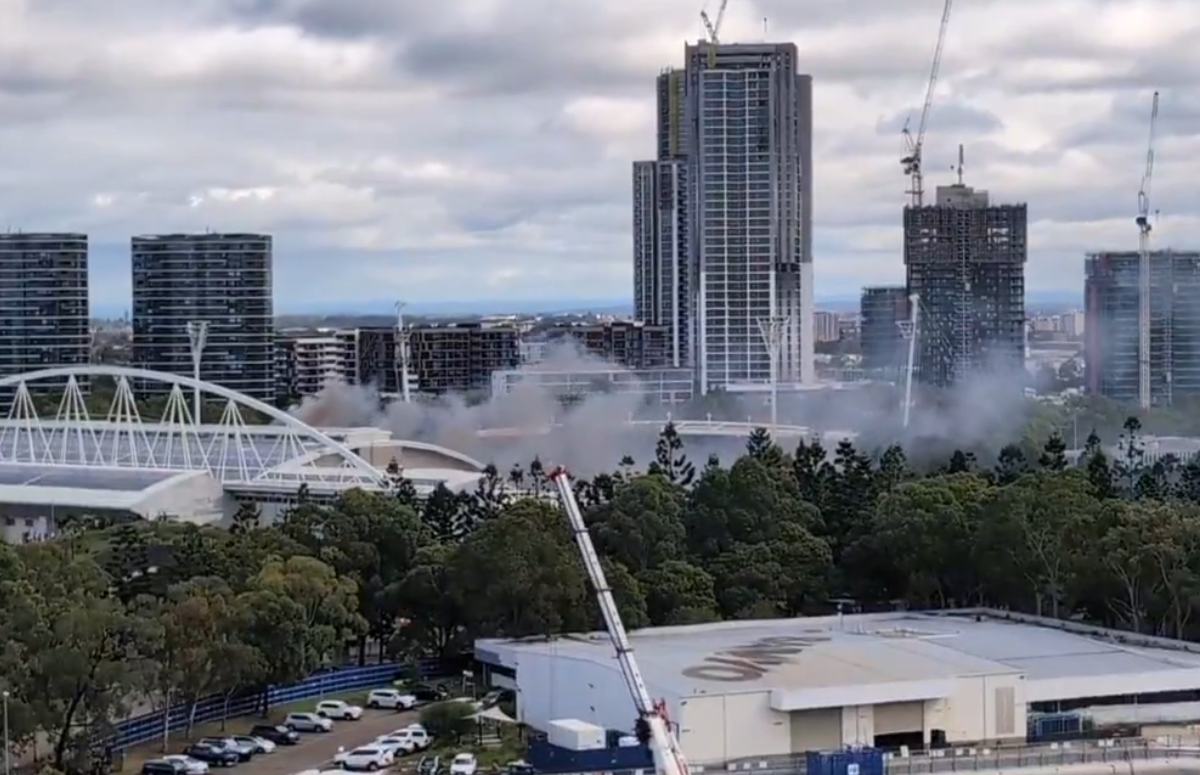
<point x="391" y="698"/>
<point x="307" y="722"/>
<point x="339" y="710"/>
<point x="190" y="766"/>
<point x="464" y="764"/>
<point x="261" y="744"/>
<point x="398" y="745"/>
<point x="370" y="758"/>
<point x="412" y="738"/>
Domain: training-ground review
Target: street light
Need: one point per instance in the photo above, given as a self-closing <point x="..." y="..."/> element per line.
<point x="7" y="746"/>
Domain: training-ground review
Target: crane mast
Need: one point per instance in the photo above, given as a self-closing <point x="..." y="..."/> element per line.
<point x="668" y="758"/>
<point x="915" y="146"/>
<point x="1144" y="227"/>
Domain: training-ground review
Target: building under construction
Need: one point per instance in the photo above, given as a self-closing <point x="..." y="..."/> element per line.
<point x="1111" y="326"/>
<point x="628" y="344"/>
<point x="965" y="259"/>
<point x="883" y="311"/>
<point x="460" y="357"/>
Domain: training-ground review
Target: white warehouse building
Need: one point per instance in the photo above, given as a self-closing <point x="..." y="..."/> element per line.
<point x="781" y="687"/>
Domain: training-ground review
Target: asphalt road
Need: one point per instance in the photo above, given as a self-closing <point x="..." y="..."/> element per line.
<point x="316" y="751"/>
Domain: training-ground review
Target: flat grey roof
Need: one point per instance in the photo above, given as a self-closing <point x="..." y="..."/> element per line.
<point x="81" y="477"/>
<point x="856" y="650"/>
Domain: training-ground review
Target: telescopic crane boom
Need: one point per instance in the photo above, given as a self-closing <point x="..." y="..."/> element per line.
<point x="1144" y="227"/>
<point x="652" y="725"/>
<point x="915" y="146"/>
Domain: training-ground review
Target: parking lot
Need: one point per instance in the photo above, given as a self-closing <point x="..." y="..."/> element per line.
<point x="316" y="750"/>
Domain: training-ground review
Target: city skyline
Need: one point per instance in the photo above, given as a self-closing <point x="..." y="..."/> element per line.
<point x="494" y="175"/>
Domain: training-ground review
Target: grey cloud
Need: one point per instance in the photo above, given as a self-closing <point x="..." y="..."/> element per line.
<point x="482" y="88"/>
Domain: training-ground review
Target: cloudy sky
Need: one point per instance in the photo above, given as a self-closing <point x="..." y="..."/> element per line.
<point x="480" y="149"/>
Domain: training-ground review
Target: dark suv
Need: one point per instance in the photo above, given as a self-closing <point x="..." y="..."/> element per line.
<point x="279" y="735"/>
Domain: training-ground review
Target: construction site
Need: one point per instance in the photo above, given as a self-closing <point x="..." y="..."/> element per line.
<point x="965" y="262"/>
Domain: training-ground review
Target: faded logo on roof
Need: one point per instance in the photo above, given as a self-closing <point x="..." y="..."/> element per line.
<point x="752" y="661"/>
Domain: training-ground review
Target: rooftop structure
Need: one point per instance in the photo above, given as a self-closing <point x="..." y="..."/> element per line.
<point x="825" y="682"/>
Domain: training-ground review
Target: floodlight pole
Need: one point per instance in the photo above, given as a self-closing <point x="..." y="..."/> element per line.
<point x="909" y="329"/>
<point x="771" y="330"/>
<point x="197" y="331"/>
<point x="403" y="335"/>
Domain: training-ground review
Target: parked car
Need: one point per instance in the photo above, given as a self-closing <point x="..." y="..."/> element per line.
<point x="212" y="755"/>
<point x="368" y="758"/>
<point x="410" y="739"/>
<point x="399" y="746"/>
<point x="276" y="733"/>
<point x="259" y="744"/>
<point x="425" y="692"/>
<point x="391" y="698"/>
<point x="429" y="765"/>
<point x="307" y="722"/>
<point x="245" y="752"/>
<point x="464" y="764"/>
<point x="163" y="766"/>
<point x="190" y="766"/>
<point x="339" y="710"/>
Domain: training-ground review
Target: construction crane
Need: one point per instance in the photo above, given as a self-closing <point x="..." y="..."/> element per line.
<point x="652" y="726"/>
<point x="713" y="27"/>
<point x="914" y="146"/>
<point x="1144" y="227"/>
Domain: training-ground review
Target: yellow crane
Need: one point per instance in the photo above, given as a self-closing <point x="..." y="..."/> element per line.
<point x="713" y="28"/>
<point x="915" y="146"/>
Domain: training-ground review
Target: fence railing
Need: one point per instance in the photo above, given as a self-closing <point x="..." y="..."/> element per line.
<point x="975" y="759"/>
<point x="154" y="726"/>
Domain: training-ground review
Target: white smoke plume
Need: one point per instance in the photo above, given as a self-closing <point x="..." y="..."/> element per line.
<point x="593" y="434"/>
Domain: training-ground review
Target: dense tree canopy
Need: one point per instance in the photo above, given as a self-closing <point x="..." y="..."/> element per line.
<point x="110" y="612"/>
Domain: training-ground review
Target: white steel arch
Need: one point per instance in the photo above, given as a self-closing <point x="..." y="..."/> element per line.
<point x="231" y="450"/>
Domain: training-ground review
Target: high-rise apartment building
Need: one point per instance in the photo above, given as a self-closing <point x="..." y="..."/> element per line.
<point x="965" y="260"/>
<point x="749" y="157"/>
<point x="663" y="285"/>
<point x="44" y="319"/>
<point x="883" y="311"/>
<point x="723" y="217"/>
<point x="221" y="283"/>
<point x="1111" y="327"/>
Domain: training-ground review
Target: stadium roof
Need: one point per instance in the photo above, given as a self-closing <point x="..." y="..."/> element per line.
<point x="86" y="487"/>
<point x="873" y="658"/>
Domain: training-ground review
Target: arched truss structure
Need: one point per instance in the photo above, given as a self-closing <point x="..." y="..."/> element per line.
<point x="280" y="456"/>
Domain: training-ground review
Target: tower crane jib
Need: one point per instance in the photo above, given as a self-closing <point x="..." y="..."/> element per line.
<point x="713" y="28"/>
<point x="915" y="146"/>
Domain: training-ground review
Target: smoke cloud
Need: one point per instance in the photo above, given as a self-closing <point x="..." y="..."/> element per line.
<point x="591" y="433"/>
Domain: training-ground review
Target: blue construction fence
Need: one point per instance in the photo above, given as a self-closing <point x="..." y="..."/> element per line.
<point x="150" y="726"/>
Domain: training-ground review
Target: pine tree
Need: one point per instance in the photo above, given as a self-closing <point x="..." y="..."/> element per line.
<point x="669" y="458"/>
<point x="1054" y="454"/>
